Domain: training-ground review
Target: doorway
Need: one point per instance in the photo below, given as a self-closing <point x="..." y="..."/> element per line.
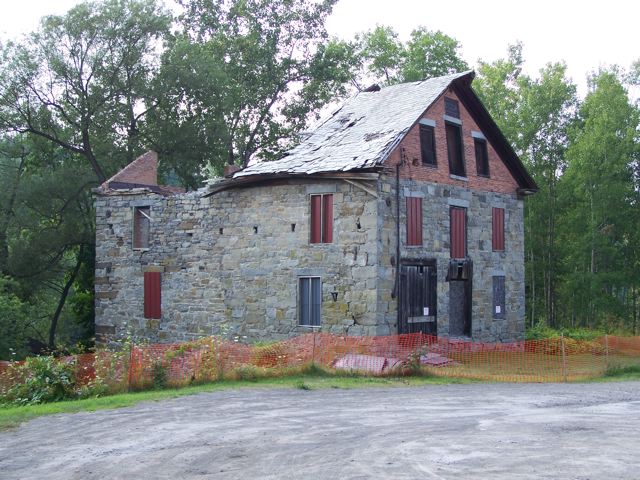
<point x="418" y="300"/>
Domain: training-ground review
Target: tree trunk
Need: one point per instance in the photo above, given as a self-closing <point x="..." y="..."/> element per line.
<point x="63" y="299"/>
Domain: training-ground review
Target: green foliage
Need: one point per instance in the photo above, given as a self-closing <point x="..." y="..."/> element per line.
<point x="42" y="380"/>
<point x="159" y="375"/>
<point x="427" y="54"/>
<point x="247" y="75"/>
<point x="541" y="332"/>
<point x="14" y="317"/>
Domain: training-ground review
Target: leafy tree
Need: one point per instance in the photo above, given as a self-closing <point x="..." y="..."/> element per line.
<point x="243" y="76"/>
<point x="81" y="80"/>
<point x="431" y="54"/>
<point x="427" y="54"/>
<point x="600" y="225"/>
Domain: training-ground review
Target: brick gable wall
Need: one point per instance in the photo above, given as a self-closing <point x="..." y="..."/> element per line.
<point x="500" y="180"/>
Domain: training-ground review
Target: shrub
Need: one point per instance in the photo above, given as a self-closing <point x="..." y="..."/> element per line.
<point x="41" y="380"/>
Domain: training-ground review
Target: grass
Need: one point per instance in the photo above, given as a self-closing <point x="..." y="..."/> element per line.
<point x="616" y="373"/>
<point x="311" y="379"/>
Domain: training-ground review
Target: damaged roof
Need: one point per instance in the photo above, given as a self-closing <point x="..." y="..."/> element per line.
<point x="361" y="133"/>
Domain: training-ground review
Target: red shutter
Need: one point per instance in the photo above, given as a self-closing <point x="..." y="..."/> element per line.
<point x="316" y="218"/>
<point x="414" y="221"/>
<point x="498" y="229"/>
<point x="458" y="232"/>
<point x="327" y="218"/>
<point x="152" y="295"/>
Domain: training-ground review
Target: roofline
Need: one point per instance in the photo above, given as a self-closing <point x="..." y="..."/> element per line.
<point x="253" y="180"/>
<point x="462" y="88"/>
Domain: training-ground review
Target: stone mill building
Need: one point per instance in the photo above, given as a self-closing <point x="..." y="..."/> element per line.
<point x="401" y="212"/>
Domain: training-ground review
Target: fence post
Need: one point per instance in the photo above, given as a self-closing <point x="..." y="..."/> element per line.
<point x="564" y="359"/>
<point x="606" y="351"/>
<point x="130" y="365"/>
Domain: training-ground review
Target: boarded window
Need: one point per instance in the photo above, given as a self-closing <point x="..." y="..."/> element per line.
<point x="458" y="232"/>
<point x="482" y="157"/>
<point x="152" y="298"/>
<point x="141" y="226"/>
<point x="498" y="297"/>
<point x="498" y="229"/>
<point x="428" y="145"/>
<point x="310" y="301"/>
<point x="414" y="221"/>
<point x="454" y="149"/>
<point x="321" y="218"/>
<point x="451" y="107"/>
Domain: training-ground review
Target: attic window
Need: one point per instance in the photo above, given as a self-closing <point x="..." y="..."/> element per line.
<point x="454" y="149"/>
<point x="482" y="157"/>
<point x="141" y="227"/>
<point x="451" y="108"/>
<point x="428" y="145"/>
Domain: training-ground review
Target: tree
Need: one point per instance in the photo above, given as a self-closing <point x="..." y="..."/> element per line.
<point x="81" y="81"/>
<point x="427" y="54"/>
<point x="600" y="226"/>
<point x="431" y="54"/>
<point x="243" y="76"/>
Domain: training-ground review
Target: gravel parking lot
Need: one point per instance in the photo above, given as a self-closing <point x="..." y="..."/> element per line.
<point x="497" y="431"/>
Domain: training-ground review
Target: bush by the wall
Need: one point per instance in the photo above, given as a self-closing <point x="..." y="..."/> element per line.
<point x="41" y="380"/>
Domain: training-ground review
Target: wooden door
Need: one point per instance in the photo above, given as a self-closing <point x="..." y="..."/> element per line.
<point x="418" y="299"/>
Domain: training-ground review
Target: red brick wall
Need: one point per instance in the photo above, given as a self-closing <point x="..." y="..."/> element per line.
<point x="500" y="179"/>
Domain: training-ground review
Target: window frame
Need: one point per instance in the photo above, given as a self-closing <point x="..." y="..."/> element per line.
<point x="138" y="209"/>
<point x="326" y="235"/>
<point x="430" y="130"/>
<point x="301" y="280"/>
<point x="482" y="142"/>
<point x="459" y="141"/>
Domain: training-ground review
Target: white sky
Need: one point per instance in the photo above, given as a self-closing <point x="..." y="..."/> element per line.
<point x="585" y="34"/>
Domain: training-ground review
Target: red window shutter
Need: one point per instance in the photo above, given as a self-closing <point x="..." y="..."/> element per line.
<point x="458" y="232"/>
<point x="498" y="229"/>
<point x="327" y="218"/>
<point x="152" y="295"/>
<point x="316" y="218"/>
<point x="414" y="221"/>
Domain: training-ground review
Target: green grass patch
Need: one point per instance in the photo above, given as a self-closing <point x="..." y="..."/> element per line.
<point x="312" y="378"/>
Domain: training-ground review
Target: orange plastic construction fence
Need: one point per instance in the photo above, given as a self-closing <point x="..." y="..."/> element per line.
<point x="210" y="359"/>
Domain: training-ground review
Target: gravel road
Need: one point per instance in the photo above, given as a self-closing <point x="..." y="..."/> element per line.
<point x="488" y="431"/>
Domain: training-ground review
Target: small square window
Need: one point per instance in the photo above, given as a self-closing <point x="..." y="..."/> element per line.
<point x="309" y="301"/>
<point x="141" y="227"/>
<point x="451" y="107"/>
<point x="482" y="157"/>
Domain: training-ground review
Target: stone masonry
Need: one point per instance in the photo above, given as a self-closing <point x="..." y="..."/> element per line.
<point x="230" y="262"/>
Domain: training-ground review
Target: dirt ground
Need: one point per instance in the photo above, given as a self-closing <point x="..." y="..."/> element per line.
<point x="488" y="431"/>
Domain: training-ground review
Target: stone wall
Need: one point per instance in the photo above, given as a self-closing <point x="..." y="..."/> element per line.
<point x="230" y="262"/>
<point x="437" y="200"/>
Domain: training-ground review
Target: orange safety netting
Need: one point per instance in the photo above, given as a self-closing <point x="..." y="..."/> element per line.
<point x="210" y="359"/>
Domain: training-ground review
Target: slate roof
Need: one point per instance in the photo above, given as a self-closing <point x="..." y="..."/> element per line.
<point x="361" y="133"/>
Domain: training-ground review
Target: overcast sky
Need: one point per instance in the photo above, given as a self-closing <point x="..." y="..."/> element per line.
<point x="585" y="34"/>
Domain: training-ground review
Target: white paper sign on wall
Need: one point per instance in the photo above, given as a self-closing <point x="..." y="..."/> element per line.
<point x="498" y="309"/>
<point x="425" y="311"/>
